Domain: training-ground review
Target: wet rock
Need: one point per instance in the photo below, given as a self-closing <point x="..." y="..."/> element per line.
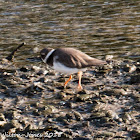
<point x="3" y="86"/>
<point x="82" y="92"/>
<point x="97" y="115"/>
<point x="48" y="109"/>
<point x="119" y="92"/>
<point x="2" y="120"/>
<point x="40" y="72"/>
<point x="1" y="106"/>
<point x="115" y="92"/>
<point x="8" y="126"/>
<point x="70" y="116"/>
<point x="136" y="97"/>
<point x="78" y="116"/>
<point x="107" y="67"/>
<point x="43" y="80"/>
<point x="16" y="124"/>
<point x="104" y="120"/>
<point x="132" y="69"/>
<point x="87" y="80"/>
<point x="129" y="68"/>
<point x="35" y="112"/>
<point x="24" y="76"/>
<point x="111" y="114"/>
<point x="135" y="134"/>
<point x="126" y="117"/>
<point x="70" y="105"/>
<point x="135" y="79"/>
<point x="2" y="117"/>
<point x="83" y="97"/>
<point x="32" y="89"/>
<point x="95" y="106"/>
<point x="109" y="57"/>
<point x="36" y="68"/>
<point x="23" y="69"/>
<point x="61" y="79"/>
<point x="81" y="138"/>
<point x="2" y="137"/>
<point x="11" y="114"/>
<point x="109" y="124"/>
<point x="106" y="134"/>
<point x="61" y="95"/>
<point x="52" y="73"/>
<point x="63" y="120"/>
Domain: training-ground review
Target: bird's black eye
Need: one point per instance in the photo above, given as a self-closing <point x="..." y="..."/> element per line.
<point x="42" y="55"/>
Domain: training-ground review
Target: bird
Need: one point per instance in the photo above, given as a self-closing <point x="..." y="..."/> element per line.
<point x="69" y="61"/>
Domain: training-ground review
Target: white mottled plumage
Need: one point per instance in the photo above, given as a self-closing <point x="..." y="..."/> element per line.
<point x="64" y="69"/>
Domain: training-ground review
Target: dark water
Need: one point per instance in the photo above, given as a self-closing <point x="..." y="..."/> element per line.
<point x="98" y="27"/>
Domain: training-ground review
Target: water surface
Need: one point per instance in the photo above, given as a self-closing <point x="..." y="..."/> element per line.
<point x="97" y="27"/>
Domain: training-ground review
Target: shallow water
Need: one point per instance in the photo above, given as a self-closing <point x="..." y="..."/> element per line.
<point x="97" y="27"/>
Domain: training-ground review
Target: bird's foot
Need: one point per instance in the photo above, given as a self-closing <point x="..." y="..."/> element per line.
<point x="79" y="88"/>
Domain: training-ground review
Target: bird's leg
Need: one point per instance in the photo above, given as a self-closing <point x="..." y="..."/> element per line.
<point x="67" y="81"/>
<point x="79" y="82"/>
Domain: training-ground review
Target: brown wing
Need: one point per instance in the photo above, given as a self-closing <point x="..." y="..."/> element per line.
<point x="76" y="59"/>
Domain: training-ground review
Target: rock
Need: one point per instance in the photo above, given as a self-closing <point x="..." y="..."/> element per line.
<point x="2" y="120"/>
<point x="70" y="116"/>
<point x="2" y="117"/>
<point x="97" y="115"/>
<point x="36" y="112"/>
<point x="8" y="126"/>
<point x="126" y="117"/>
<point x="11" y="114"/>
<point x="107" y="134"/>
<point x="63" y="120"/>
<point x="78" y="116"/>
<point x="109" y="124"/>
<point x="83" y="97"/>
<point x="24" y="76"/>
<point x="48" y="109"/>
<point x="82" y="92"/>
<point x="61" y="95"/>
<point x="109" y="57"/>
<point x="132" y="69"/>
<point x="32" y="89"/>
<point x="129" y="68"/>
<point x="40" y="72"/>
<point x="70" y="105"/>
<point x="135" y="79"/>
<point x="111" y="114"/>
<point x="23" y="69"/>
<point x="3" y="137"/>
<point x="104" y="120"/>
<point x="36" y="68"/>
<point x="43" y="80"/>
<point x="135" y="134"/>
<point x="16" y="124"/>
<point x="115" y="92"/>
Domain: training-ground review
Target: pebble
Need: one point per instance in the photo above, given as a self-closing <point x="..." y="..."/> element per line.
<point x="112" y="114"/>
<point x="83" y="97"/>
<point x="115" y="92"/>
<point x="2" y="120"/>
<point x="135" y="79"/>
<point x="78" y="116"/>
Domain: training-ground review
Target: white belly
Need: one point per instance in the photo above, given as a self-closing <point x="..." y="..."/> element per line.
<point x="62" y="68"/>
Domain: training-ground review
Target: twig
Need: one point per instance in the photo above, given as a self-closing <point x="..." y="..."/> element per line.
<point x="10" y="56"/>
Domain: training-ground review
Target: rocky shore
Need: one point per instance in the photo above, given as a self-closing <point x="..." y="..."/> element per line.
<point x="34" y="104"/>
